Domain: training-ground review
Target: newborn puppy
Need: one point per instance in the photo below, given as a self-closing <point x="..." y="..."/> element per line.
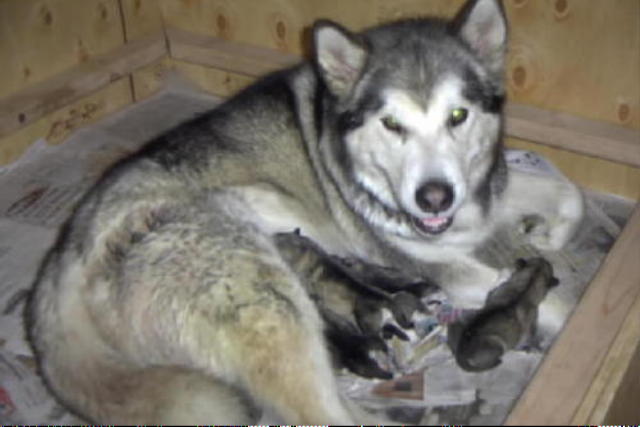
<point x="508" y="317"/>
<point x="351" y="297"/>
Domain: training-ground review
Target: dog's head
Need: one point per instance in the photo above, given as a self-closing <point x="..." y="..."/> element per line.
<point x="412" y="116"/>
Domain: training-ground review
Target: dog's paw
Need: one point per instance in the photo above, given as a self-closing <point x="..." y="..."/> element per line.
<point x="550" y="230"/>
<point x="539" y="232"/>
<point x="551" y="234"/>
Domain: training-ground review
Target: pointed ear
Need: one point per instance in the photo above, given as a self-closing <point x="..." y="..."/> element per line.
<point x="340" y="57"/>
<point x="482" y="24"/>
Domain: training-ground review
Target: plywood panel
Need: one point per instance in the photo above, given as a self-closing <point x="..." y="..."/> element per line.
<point x="28" y="105"/>
<point x="149" y="80"/>
<point x="141" y="18"/>
<point x="57" y="126"/>
<point x="41" y="38"/>
<point x="218" y="82"/>
<point x="391" y="10"/>
<point x="577" y="56"/>
<point x="277" y="24"/>
<point x="227" y="55"/>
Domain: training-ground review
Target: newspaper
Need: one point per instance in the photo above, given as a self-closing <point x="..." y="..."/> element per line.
<point x="38" y="192"/>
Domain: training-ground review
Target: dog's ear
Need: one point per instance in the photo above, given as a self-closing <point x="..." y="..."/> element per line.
<point x="339" y="55"/>
<point x="482" y="25"/>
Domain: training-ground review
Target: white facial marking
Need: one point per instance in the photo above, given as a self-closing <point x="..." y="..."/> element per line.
<point x="406" y="144"/>
<point x="433" y="152"/>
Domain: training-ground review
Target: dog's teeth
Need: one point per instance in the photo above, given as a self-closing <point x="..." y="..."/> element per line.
<point x="434" y="222"/>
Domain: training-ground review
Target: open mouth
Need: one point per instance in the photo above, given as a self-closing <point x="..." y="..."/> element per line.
<point x="432" y="226"/>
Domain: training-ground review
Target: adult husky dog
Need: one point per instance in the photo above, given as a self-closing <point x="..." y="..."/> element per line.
<point x="165" y="298"/>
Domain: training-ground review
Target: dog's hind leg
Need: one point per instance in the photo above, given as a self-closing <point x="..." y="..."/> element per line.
<point x="215" y="297"/>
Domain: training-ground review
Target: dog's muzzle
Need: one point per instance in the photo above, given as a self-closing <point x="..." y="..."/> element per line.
<point x="433" y="198"/>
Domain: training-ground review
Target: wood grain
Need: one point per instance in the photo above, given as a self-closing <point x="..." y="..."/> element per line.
<point x="274" y="24"/>
<point x="42" y="38"/>
<point x="225" y="55"/>
<point x="610" y="396"/>
<point x="577" y="57"/>
<point x="58" y="125"/>
<point x="624" y="407"/>
<point x="217" y="82"/>
<point x="141" y="18"/>
<point x="25" y="107"/>
<point x="571" y="366"/>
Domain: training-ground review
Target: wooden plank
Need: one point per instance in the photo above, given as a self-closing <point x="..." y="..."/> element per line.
<point x="225" y="55"/>
<point x="561" y="384"/>
<point x="574" y="133"/>
<point x="614" y="395"/>
<point x="625" y="409"/>
<point x="17" y="111"/>
<point x="57" y="126"/>
<point x="212" y="80"/>
<point x="150" y="79"/>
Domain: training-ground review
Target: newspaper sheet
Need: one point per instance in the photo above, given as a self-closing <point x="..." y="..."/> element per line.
<point x="38" y="192"/>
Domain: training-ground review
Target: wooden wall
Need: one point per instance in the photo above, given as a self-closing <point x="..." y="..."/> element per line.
<point x="575" y="56"/>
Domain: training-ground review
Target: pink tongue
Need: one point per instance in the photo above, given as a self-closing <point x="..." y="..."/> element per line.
<point x="434" y="222"/>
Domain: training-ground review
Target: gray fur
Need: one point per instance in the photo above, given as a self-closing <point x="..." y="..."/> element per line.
<point x="165" y="298"/>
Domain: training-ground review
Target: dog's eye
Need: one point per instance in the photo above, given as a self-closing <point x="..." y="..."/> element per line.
<point x="392" y="125"/>
<point x="458" y="116"/>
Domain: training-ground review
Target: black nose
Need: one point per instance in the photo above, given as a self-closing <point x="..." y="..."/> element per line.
<point x="434" y="196"/>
